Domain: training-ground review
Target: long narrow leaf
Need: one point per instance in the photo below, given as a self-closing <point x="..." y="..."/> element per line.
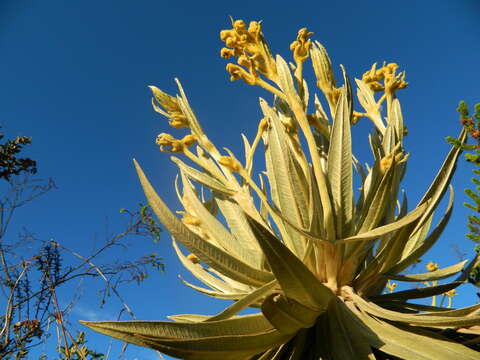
<point x="202" y="177"/>
<point x="234" y="338"/>
<point x="221" y="235"/>
<point x="211" y="255"/>
<point x="339" y="164"/>
<point x="417" y="293"/>
<point x="245" y="301"/>
<point x="427" y="243"/>
<point x="414" y="319"/>
<point x="237" y="222"/>
<point x="281" y="176"/>
<point x="385" y="229"/>
<point x="432" y="275"/>
<point x="287" y="315"/>
<point x="347" y="343"/>
<point x="201" y="274"/>
<point x="410" y="344"/>
<point x="296" y="280"/>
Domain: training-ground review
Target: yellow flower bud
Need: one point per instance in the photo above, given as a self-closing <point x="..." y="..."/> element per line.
<point x="451" y="293"/>
<point x="231" y="41"/>
<point x="293" y="45"/>
<point x="226" y="53"/>
<point x="254" y="29"/>
<point x="191" y="220"/>
<point x="356" y="116"/>
<point x="239" y="26"/>
<point x="243" y="39"/>
<point x="164" y="139"/>
<point x="193" y="258"/>
<point x="376" y="86"/>
<point x="243" y="61"/>
<point x="432" y="266"/>
<point x="386" y="163"/>
<point x="301" y="45"/>
<point x="391" y="286"/>
<point x="168" y="143"/>
<point x="290" y="126"/>
<point x="399" y="157"/>
<point x="392" y="66"/>
<point x="230" y="163"/>
<point x="236" y="73"/>
<point x="263" y="124"/>
<point x="224" y="34"/>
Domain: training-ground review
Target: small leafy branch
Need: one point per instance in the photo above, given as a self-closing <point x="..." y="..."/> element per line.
<point x="147" y="225"/>
<point x="471" y="123"/>
<point x="12" y="165"/>
<point x="78" y="351"/>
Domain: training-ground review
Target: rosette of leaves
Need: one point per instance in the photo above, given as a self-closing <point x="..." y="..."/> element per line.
<point x="301" y="245"/>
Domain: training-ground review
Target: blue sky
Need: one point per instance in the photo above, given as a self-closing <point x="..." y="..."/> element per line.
<point x="74" y="76"/>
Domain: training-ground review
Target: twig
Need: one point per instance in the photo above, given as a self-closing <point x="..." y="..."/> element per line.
<point x="9" y="310"/>
<point x="58" y="314"/>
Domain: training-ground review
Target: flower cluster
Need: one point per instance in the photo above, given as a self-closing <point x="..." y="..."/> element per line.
<point x="248" y="45"/>
<point x="391" y="81"/>
<point x="301" y="46"/>
<point x="168" y="143"/>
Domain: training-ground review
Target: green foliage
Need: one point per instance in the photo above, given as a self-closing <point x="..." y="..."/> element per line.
<point x="77" y="351"/>
<point x="147" y="225"/>
<point x="472" y="126"/>
<point x="12" y="165"/>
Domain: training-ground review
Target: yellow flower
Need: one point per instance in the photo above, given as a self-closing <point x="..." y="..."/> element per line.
<point x="191" y="220"/>
<point x="301" y="46"/>
<point x="356" y="116"/>
<point x="251" y="50"/>
<point x="391" y="286"/>
<point x="391" y="80"/>
<point x="451" y="293"/>
<point x="290" y="125"/>
<point x="237" y="72"/>
<point x="230" y="163"/>
<point x="432" y="266"/>
<point x="193" y="258"/>
<point x="168" y="143"/>
<point x="387" y="161"/>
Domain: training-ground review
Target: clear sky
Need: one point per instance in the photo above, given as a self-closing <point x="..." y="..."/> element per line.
<point x="74" y="76"/>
